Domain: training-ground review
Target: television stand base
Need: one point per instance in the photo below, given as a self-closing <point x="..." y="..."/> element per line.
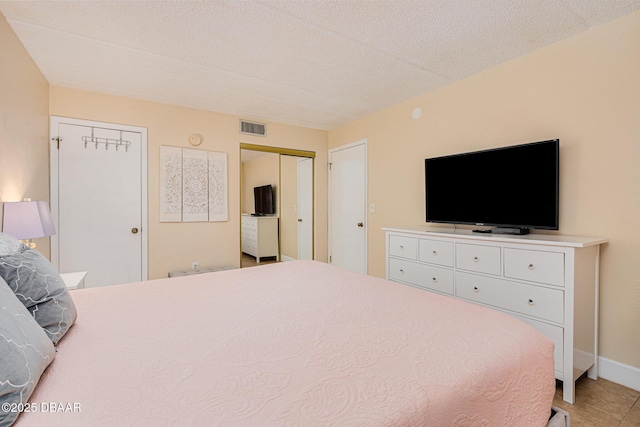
<point x="505" y="230"/>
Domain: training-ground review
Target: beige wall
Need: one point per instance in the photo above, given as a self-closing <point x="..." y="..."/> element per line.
<point x="24" y="125"/>
<point x="584" y="91"/>
<point x="173" y="246"/>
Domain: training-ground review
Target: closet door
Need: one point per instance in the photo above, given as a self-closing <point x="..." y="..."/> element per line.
<point x="305" y="208"/>
<point x="348" y="206"/>
<point x="99" y="201"/>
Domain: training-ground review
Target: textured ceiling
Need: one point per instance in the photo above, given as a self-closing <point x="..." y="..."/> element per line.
<point x="318" y="64"/>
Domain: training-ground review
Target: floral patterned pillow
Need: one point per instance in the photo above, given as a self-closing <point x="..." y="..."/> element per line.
<point x="39" y="287"/>
<point x="25" y="352"/>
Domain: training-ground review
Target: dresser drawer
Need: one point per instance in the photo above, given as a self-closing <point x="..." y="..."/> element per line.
<point x="421" y="275"/>
<point x="436" y="252"/>
<point x="249" y="247"/>
<point x="249" y="223"/>
<point x="536" y="266"/>
<point x="249" y="235"/>
<point x="481" y="259"/>
<point x="531" y="300"/>
<point x="404" y="247"/>
<point x="555" y="334"/>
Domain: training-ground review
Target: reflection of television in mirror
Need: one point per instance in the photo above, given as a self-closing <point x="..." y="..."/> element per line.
<point x="513" y="188"/>
<point x="263" y="200"/>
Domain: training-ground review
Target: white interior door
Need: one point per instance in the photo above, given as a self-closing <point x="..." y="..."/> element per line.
<point x="305" y="208"/>
<point x="348" y="206"/>
<point x="99" y="201"/>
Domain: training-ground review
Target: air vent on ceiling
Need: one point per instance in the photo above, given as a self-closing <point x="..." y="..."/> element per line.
<point x="251" y="128"/>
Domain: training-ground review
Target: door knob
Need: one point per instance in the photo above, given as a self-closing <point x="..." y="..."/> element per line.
<point x="134" y="230"/>
<point x="360" y="224"/>
<point x="299" y="219"/>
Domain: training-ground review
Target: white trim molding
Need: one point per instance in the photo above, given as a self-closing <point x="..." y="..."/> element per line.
<point x="619" y="373"/>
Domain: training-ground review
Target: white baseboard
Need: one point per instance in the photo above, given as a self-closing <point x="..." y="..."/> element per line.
<point x="284" y="258"/>
<point x="619" y="373"/>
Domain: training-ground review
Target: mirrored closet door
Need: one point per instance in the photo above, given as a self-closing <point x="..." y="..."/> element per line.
<point x="276" y="204"/>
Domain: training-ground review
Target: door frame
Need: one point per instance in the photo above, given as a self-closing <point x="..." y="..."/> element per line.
<point x="364" y="142"/>
<point x="287" y="152"/>
<point x="54" y="122"/>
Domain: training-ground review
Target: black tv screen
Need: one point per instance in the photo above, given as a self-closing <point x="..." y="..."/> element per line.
<point x="263" y="200"/>
<point x="511" y="187"/>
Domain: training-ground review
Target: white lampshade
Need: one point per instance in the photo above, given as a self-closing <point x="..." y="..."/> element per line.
<point x="27" y="220"/>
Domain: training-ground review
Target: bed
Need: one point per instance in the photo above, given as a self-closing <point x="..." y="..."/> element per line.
<point x="299" y="343"/>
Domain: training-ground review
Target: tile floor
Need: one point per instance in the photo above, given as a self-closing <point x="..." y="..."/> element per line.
<point x="601" y="403"/>
<point x="249" y="261"/>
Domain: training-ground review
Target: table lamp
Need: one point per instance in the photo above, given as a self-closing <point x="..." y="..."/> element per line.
<point x="27" y="220"/>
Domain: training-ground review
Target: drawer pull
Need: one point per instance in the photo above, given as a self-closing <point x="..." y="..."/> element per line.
<point x="475" y="259"/>
<point x="530" y="301"/>
<point x="401" y="271"/>
<point x="530" y="266"/>
<point x="475" y="289"/>
<point x="434" y="253"/>
<point x="401" y="247"/>
<point x="434" y="280"/>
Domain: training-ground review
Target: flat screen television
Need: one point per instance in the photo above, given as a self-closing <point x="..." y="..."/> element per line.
<point x="263" y="200"/>
<point x="513" y="188"/>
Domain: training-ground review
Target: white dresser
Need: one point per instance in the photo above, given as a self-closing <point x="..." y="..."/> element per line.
<point x="260" y="236"/>
<point x="548" y="281"/>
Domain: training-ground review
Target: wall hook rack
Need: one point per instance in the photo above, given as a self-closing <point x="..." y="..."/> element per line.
<point x="107" y="142"/>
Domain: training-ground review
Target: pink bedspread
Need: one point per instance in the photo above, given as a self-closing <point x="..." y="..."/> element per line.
<point x="291" y="344"/>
